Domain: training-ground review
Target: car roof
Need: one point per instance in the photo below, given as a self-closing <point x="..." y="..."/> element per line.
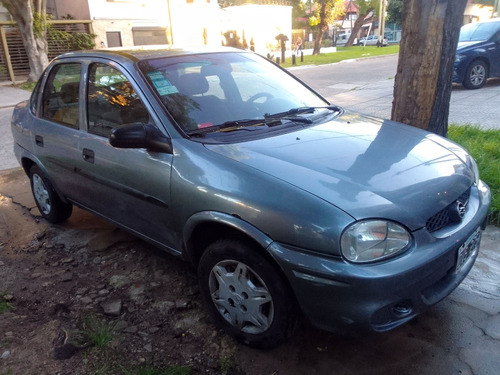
<point x="139" y="53"/>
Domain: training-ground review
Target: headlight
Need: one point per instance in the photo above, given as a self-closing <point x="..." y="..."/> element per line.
<point x="371" y="240"/>
<point x="475" y="170"/>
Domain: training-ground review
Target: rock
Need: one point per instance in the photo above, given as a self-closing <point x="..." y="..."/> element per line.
<point x="103" y="292"/>
<point x="5" y="355"/>
<point x="131" y="329"/>
<point x="86" y="300"/>
<point x="118" y="281"/>
<point x="81" y="291"/>
<point x="136" y="291"/>
<point x="67" y="276"/>
<point x="148" y="347"/>
<point x="113" y="307"/>
<point x="8" y="297"/>
<point x="164" y="306"/>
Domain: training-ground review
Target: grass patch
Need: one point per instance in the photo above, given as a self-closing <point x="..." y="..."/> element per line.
<point x="343" y="53"/>
<point x="95" y="332"/>
<point x="484" y="146"/>
<point x="151" y="370"/>
<point x="4" y="304"/>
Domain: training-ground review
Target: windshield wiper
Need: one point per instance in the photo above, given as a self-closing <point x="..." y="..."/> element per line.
<point x="291" y="114"/>
<point x="228" y="126"/>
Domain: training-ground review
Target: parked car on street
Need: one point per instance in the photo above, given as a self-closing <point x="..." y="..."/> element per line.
<point x="371" y="40"/>
<point x="286" y="205"/>
<point x="478" y="53"/>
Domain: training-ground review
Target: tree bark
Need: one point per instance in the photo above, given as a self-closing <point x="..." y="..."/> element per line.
<point x="422" y="87"/>
<point x="35" y="45"/>
<point x="322" y="26"/>
<point x="357" y="26"/>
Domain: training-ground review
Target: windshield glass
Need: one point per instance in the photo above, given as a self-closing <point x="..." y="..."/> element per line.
<point x="476" y="32"/>
<point x="206" y="90"/>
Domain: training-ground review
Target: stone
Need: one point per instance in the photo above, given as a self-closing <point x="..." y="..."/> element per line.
<point x="118" y="281"/>
<point x="67" y="276"/>
<point x="113" y="307"/>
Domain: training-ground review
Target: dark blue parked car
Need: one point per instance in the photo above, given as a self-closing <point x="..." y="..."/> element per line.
<point x="478" y="54"/>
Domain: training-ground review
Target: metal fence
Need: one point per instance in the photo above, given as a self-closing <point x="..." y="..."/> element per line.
<point x="14" y="64"/>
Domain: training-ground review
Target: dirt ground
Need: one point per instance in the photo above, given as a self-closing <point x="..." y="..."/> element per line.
<point x="84" y="276"/>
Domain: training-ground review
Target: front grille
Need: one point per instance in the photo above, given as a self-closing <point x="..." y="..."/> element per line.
<point x="448" y="214"/>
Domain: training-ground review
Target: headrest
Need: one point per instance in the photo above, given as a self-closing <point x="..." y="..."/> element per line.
<point x="69" y="92"/>
<point x="192" y="84"/>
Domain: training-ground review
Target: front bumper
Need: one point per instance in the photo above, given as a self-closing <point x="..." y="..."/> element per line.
<point x="336" y="295"/>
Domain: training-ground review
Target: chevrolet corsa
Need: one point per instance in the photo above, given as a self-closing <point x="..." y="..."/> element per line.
<point x="288" y="206"/>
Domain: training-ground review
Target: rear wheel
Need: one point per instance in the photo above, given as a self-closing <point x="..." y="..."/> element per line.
<point x="476" y="75"/>
<point x="48" y="202"/>
<point x="246" y="294"/>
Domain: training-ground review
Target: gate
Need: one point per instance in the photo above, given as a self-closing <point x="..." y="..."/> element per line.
<point x="14" y="64"/>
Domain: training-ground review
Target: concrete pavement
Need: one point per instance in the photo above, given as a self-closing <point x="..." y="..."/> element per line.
<point x="9" y="96"/>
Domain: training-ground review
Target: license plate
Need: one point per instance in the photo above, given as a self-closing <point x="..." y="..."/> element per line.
<point x="468" y="248"/>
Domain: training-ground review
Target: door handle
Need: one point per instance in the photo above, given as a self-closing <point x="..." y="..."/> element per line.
<point x="39" y="140"/>
<point x="88" y="155"/>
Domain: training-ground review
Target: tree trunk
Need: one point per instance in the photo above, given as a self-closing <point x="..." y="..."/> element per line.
<point x="322" y="27"/>
<point x="357" y="26"/>
<point x="35" y="45"/>
<point x="422" y="88"/>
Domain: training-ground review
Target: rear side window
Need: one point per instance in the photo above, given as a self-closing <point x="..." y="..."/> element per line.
<point x="61" y="95"/>
<point x="112" y="101"/>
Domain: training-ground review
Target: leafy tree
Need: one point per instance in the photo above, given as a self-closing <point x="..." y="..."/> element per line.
<point x="326" y="12"/>
<point x="394" y="11"/>
<point x="365" y="7"/>
<point x="30" y="16"/>
<point x="422" y="87"/>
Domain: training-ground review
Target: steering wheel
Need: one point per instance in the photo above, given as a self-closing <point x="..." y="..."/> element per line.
<point x="259" y="95"/>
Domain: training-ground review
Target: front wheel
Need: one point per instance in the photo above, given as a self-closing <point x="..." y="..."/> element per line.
<point x="246" y="294"/>
<point x="476" y="75"/>
<point x="48" y="202"/>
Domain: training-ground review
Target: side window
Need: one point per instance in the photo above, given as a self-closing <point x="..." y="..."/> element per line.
<point x="61" y="95"/>
<point x="111" y="101"/>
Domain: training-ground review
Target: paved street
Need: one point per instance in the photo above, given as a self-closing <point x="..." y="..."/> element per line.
<point x="367" y="86"/>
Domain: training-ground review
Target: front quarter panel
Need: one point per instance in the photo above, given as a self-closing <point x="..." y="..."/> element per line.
<point x="204" y="181"/>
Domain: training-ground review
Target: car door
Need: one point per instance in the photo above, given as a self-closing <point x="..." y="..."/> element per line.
<point x="494" y="53"/>
<point x="128" y="186"/>
<point x="56" y="136"/>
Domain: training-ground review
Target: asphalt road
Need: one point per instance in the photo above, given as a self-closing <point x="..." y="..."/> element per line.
<point x="367" y="86"/>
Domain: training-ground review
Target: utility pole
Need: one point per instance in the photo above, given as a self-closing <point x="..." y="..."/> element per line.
<point x="381" y="21"/>
<point x="495" y="10"/>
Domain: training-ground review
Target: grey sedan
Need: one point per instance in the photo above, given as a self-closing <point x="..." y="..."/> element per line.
<point x="287" y="205"/>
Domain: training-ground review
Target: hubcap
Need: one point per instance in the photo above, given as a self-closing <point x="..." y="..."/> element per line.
<point x="41" y="194"/>
<point x="477" y="75"/>
<point x="241" y="297"/>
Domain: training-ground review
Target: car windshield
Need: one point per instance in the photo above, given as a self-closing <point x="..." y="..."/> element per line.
<point x="207" y="90"/>
<point x="476" y="32"/>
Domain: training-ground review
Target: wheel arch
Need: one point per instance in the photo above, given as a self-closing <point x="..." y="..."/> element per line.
<point x="27" y="163"/>
<point x="204" y="228"/>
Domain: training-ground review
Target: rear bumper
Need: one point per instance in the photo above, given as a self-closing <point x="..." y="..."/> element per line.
<point x="340" y="296"/>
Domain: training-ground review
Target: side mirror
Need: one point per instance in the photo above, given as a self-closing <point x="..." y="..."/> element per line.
<point x="139" y="135"/>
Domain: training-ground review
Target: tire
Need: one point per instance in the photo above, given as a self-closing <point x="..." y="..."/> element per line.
<point x="48" y="202"/>
<point x="246" y="294"/>
<point x="476" y="75"/>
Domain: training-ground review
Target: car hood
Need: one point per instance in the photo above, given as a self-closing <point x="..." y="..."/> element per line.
<point x="464" y="45"/>
<point x="366" y="167"/>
